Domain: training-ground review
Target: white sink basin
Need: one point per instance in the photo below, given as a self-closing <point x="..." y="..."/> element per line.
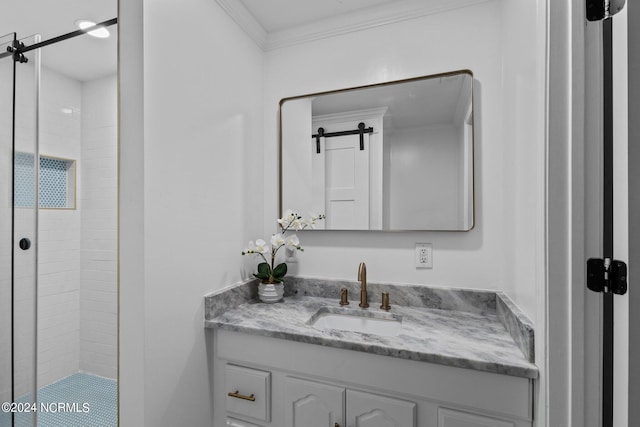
<point x="385" y="324"/>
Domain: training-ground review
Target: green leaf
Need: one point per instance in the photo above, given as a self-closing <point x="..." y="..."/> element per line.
<point x="262" y="276"/>
<point x="280" y="271"/>
<point x="264" y="268"/>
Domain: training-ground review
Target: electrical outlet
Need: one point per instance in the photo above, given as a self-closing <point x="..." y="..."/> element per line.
<point x="424" y="255"/>
<point x="290" y="255"/>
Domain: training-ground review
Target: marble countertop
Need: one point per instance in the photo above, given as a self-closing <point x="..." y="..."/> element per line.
<point x="481" y="338"/>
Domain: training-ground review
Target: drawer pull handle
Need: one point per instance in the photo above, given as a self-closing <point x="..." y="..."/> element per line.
<point x="237" y="394"/>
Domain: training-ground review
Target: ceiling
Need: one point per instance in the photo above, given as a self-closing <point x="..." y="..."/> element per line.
<point x="279" y="15"/>
<point x="274" y="24"/>
<point x="82" y="58"/>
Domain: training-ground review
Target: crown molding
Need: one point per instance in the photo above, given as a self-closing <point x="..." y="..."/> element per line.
<point x="241" y="15"/>
<point x="376" y="16"/>
<point x="372" y="17"/>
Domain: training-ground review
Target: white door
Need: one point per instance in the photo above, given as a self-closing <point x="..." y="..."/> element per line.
<point x="341" y="182"/>
<point x="371" y="410"/>
<point x="312" y="404"/>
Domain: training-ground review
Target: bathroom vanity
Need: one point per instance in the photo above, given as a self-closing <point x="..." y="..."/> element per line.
<point x="439" y="357"/>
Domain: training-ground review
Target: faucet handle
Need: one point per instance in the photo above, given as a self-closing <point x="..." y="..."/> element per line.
<point x="385" y="301"/>
<point x="344" y="296"/>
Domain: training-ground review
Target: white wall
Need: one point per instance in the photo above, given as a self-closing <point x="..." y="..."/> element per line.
<point x="202" y="177"/>
<point x="523" y="134"/>
<point x="470" y="38"/>
<point x="99" y="244"/>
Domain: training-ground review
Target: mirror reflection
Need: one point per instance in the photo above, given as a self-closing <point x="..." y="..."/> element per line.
<point x="393" y="156"/>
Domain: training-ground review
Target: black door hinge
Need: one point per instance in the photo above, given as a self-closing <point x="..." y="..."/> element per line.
<point x="597" y="10"/>
<point x="606" y="275"/>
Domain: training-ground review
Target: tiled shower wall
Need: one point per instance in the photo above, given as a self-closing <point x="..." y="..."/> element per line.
<point x="98" y="197"/>
<point x="59" y="236"/>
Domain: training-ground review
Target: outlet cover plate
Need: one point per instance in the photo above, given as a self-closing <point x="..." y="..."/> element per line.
<point x="424" y="255"/>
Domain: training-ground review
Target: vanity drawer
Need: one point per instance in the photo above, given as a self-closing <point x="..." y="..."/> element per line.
<point x="248" y="392"/>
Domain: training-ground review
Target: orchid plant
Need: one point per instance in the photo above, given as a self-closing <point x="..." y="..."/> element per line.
<point x="268" y="272"/>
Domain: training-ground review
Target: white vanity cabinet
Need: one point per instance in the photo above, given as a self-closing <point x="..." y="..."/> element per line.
<point x="313" y="404"/>
<point x="372" y="410"/>
<point x="295" y="384"/>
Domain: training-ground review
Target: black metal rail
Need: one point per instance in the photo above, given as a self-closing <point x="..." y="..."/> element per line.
<point x="360" y="131"/>
<point x="16" y="52"/>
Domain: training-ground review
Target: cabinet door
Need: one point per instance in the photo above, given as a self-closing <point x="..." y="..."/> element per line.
<point x="371" y="410"/>
<point x="237" y="423"/>
<point x="312" y="404"/>
<point x="451" y="418"/>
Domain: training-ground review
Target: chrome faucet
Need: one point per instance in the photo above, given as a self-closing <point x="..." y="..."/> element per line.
<point x="362" y="277"/>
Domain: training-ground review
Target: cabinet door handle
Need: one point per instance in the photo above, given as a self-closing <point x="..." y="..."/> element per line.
<point x="237" y="395"/>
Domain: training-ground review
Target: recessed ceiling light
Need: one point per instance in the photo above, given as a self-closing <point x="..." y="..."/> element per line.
<point x="101" y="32"/>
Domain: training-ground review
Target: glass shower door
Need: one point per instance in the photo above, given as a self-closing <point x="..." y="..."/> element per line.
<point x="58" y="245"/>
<point x="6" y="168"/>
<point x="19" y="227"/>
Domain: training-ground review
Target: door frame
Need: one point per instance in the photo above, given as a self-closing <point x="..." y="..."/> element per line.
<point x="633" y="47"/>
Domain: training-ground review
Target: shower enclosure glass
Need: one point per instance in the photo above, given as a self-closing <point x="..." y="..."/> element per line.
<point x="6" y="166"/>
<point x="20" y="231"/>
<point x="58" y="237"/>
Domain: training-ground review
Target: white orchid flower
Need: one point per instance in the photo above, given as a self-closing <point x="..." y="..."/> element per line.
<point x="298" y="224"/>
<point x="291" y="219"/>
<point x="293" y="241"/>
<point x="313" y="218"/>
<point x="259" y="247"/>
<point x="289" y="216"/>
<point x="277" y="240"/>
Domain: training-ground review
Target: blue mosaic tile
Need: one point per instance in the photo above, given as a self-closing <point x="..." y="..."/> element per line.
<point x="53" y="181"/>
<point x="23" y="175"/>
<point x="87" y="401"/>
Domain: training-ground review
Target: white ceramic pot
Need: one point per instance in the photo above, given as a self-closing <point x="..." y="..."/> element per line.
<point x="270" y="292"/>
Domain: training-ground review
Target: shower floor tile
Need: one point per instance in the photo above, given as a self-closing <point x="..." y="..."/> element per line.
<point x="80" y="400"/>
